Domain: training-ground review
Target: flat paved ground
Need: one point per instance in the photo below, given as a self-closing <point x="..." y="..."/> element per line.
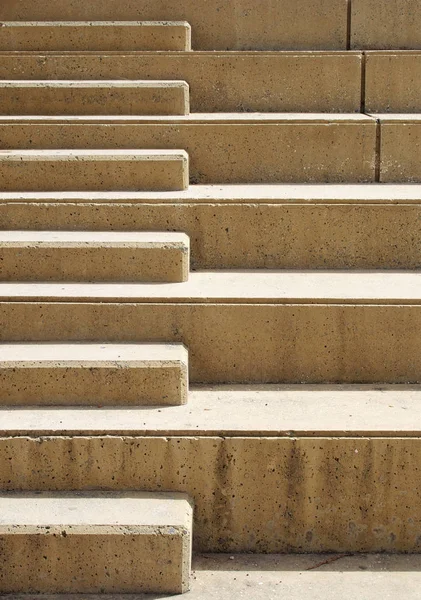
<point x="276" y="577"/>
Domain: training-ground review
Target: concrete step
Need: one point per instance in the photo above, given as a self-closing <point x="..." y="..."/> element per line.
<point x="98" y="36"/>
<point x="248" y="226"/>
<point x="93" y="256"/>
<point x="224" y="148"/>
<point x="376" y="24"/>
<point x="219" y="81"/>
<point x="243" y="326"/>
<point x="296" y="576"/>
<point x="93" y="374"/>
<point x="231" y="25"/>
<point x="95" y="542"/>
<point x="67" y="170"/>
<point x="267" y="466"/>
<point x="392" y="82"/>
<point x="399" y="147"/>
<point x="94" y="98"/>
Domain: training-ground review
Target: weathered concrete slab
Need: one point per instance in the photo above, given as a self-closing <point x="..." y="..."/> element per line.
<point x="98" y="36"/>
<point x="94" y="256"/>
<point x="94" y="97"/>
<point x="95" y="542"/>
<point x="93" y="374"/>
<point x="40" y="170"/>
<point x="384" y="25"/>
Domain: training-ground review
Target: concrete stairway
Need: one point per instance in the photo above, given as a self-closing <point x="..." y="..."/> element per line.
<point x="209" y="286"/>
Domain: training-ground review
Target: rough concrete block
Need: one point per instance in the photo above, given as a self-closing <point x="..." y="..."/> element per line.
<point x="223" y="148"/>
<point x="393" y="82"/>
<point x="93" y="374"/>
<point x="228" y="25"/>
<point x="385" y="25"/>
<point x="95" y="542"/>
<point x="99" y="36"/>
<point x="93" y="170"/>
<point x="90" y="256"/>
<point x="94" y="97"/>
<point x="400" y="139"/>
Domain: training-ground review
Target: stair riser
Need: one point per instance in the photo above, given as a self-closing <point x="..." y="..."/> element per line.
<point x="229" y="236"/>
<point x="385" y="25"/>
<point x="109" y="174"/>
<point x="48" y="262"/>
<point x="245" y="343"/>
<point x="99" y="100"/>
<point x="400" y="154"/>
<point x="95" y="38"/>
<point x="393" y="82"/>
<point x="234" y="24"/>
<point x="219" y="82"/>
<point x="226" y="153"/>
<point x="258" y="495"/>
<point x="95" y="386"/>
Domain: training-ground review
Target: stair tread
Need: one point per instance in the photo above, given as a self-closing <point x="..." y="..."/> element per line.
<point x="229" y="193"/>
<point x="241" y="411"/>
<point x="103" y="238"/>
<point x="260" y="286"/>
<point x="110" y="509"/>
<point x="216" y="118"/>
<point x="80" y="353"/>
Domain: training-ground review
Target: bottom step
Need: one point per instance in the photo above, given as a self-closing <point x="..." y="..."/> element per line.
<point x="95" y="543"/>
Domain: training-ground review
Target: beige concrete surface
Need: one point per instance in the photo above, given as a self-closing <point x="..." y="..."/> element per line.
<point x="231" y="25"/>
<point x="94" y="97"/>
<point x="399" y="148"/>
<point x="249" y="227"/>
<point x="267" y="328"/>
<point x="219" y="81"/>
<point x="77" y="169"/>
<point x="97" y="542"/>
<point x="385" y="25"/>
<point x="93" y="374"/>
<point x="393" y="82"/>
<point x="94" y="256"/>
<point x="95" y="35"/>
<point x="346" y="411"/>
<point x="269" y="577"/>
<point x="223" y="148"/>
<point x="281" y="494"/>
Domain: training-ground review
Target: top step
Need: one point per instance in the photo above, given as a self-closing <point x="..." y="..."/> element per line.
<point x="100" y="36"/>
<point x="216" y="25"/>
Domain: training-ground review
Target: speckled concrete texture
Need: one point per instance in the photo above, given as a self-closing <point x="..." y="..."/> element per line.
<point x="223" y="148"/>
<point x="243" y="337"/>
<point x="94" y="36"/>
<point x="94" y="97"/>
<point x="219" y="81"/>
<point x="399" y="148"/>
<point x="249" y="227"/>
<point x="70" y="543"/>
<point x="385" y="25"/>
<point x="93" y="374"/>
<point x="393" y="82"/>
<point x="282" y="494"/>
<point x="39" y="170"/>
<point x="89" y="256"/>
<point x="230" y="25"/>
